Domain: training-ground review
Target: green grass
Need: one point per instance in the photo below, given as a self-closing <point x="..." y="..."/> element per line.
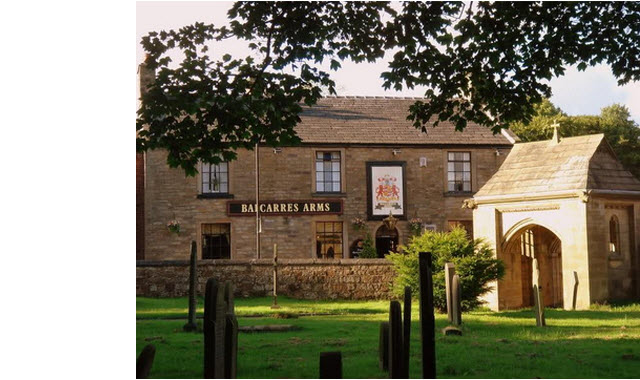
<point x="600" y="343"/>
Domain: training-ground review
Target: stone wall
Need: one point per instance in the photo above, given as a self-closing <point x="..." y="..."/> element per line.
<point x="298" y="278"/>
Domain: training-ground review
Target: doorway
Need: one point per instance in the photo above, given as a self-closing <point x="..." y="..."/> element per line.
<point x="386" y="241"/>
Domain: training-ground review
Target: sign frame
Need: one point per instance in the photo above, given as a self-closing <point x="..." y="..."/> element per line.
<point x="370" y="165"/>
<point x="287" y="201"/>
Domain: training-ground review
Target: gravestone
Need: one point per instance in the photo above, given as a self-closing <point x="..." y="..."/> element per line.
<point x="537" y="296"/>
<point x="396" y="361"/>
<point x="383" y="347"/>
<point x="456" y="299"/>
<point x="228" y="297"/>
<point x="406" y="338"/>
<point x="231" y="346"/>
<point x="208" y="326"/>
<point x="193" y="284"/>
<point x="145" y="361"/>
<point x="331" y="365"/>
<point x="427" y="318"/>
<point x="449" y="271"/>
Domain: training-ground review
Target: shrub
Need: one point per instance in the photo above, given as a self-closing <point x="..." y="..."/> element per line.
<point x="474" y="263"/>
<point x="368" y="248"/>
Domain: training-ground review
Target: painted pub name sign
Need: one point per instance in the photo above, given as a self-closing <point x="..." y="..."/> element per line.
<point x="305" y="207"/>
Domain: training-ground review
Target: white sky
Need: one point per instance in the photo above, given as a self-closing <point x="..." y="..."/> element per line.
<point x="575" y="93"/>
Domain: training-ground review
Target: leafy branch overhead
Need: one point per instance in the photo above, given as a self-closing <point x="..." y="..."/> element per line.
<point x="488" y="63"/>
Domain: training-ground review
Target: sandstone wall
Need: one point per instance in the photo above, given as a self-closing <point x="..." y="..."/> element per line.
<point x="299" y="278"/>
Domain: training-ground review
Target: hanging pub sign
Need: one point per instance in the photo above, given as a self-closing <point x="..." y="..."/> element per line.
<point x="386" y="190"/>
<point x="291" y="208"/>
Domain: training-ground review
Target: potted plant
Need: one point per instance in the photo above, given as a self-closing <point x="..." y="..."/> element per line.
<point x="415" y="225"/>
<point x="173" y="226"/>
<point x="358" y="224"/>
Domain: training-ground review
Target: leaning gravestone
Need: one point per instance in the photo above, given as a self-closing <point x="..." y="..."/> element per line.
<point x="145" y="361"/>
<point x="383" y="347"/>
<point x="406" y="338"/>
<point x="193" y="278"/>
<point x="427" y="318"/>
<point x="575" y="289"/>
<point x="449" y="271"/>
<point x="331" y="365"/>
<point x="537" y="296"/>
<point x="456" y="300"/>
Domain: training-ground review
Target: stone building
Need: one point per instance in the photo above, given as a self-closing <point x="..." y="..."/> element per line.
<point x="359" y="158"/>
<point x="570" y="204"/>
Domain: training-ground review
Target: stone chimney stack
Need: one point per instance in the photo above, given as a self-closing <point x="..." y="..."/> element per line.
<point x="147" y="76"/>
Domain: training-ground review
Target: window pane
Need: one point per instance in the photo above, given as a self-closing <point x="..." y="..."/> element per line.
<point x="466" y="156"/>
<point x="451" y="156"/>
<point x="319" y="155"/>
<point x="336" y="186"/>
<point x="319" y="166"/>
<point x="466" y="167"/>
<point x="459" y="156"/>
<point x="467" y="186"/>
<point x="326" y="156"/>
<point x="458" y="176"/>
<point x="327" y="166"/>
<point x="319" y="177"/>
<point x="319" y="186"/>
<point x="320" y="227"/>
<point x="466" y="176"/>
<point x="335" y="155"/>
<point x="450" y="166"/>
<point x="223" y="167"/>
<point x="223" y="188"/>
<point x="451" y="186"/>
<point x="451" y="176"/>
<point x="335" y="166"/>
<point x="335" y="176"/>
<point x="327" y="176"/>
<point x="458" y="166"/>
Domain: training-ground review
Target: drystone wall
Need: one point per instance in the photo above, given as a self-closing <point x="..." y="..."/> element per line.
<point x="299" y="278"/>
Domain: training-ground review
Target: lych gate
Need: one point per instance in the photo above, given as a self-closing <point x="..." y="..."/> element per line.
<point x="571" y="205"/>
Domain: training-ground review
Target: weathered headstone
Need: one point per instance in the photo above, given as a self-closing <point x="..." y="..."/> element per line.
<point x="208" y="326"/>
<point x="575" y="289"/>
<point x="449" y="271"/>
<point x="427" y="318"/>
<point x="219" y="331"/>
<point x="406" y="338"/>
<point x="396" y="361"/>
<point x="383" y="347"/>
<point x="231" y="346"/>
<point x="331" y="365"/>
<point x="537" y="296"/>
<point x="145" y="361"/>
<point x="228" y="297"/>
<point x="193" y="284"/>
<point x="456" y="299"/>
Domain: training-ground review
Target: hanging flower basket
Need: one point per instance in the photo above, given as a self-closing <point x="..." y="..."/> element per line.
<point x="358" y="224"/>
<point x="415" y="225"/>
<point x="174" y="226"/>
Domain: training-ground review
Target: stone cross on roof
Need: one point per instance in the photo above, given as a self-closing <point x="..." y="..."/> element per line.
<point x="556" y="137"/>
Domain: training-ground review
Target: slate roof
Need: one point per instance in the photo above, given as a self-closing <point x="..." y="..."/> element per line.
<point x="383" y="120"/>
<point x="575" y="163"/>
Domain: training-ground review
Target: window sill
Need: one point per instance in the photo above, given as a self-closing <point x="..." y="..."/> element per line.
<point x="458" y="193"/>
<point x="214" y="195"/>
<point x="328" y="195"/>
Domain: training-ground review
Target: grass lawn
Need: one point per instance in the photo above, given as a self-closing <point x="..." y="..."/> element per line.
<point x="599" y="343"/>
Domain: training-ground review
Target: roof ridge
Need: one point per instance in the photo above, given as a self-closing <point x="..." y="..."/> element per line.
<point x="372" y="97"/>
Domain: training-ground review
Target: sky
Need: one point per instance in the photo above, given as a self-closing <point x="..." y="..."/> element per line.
<point x="576" y="93"/>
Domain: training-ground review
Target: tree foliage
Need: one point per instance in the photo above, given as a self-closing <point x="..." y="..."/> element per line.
<point x="487" y="63"/>
<point x="473" y="260"/>
<point x="614" y="121"/>
<point x="368" y="248"/>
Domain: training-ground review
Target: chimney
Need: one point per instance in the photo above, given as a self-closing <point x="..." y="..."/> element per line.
<point x="147" y="76"/>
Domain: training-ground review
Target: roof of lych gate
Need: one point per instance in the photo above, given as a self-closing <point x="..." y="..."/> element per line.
<point x="383" y="120"/>
<point x="574" y="163"/>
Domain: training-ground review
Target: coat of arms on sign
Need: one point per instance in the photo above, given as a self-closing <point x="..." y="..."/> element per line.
<point x="387" y="193"/>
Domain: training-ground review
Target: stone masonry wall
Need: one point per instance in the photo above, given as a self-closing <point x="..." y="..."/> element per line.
<point x="289" y="175"/>
<point x="298" y="278"/>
